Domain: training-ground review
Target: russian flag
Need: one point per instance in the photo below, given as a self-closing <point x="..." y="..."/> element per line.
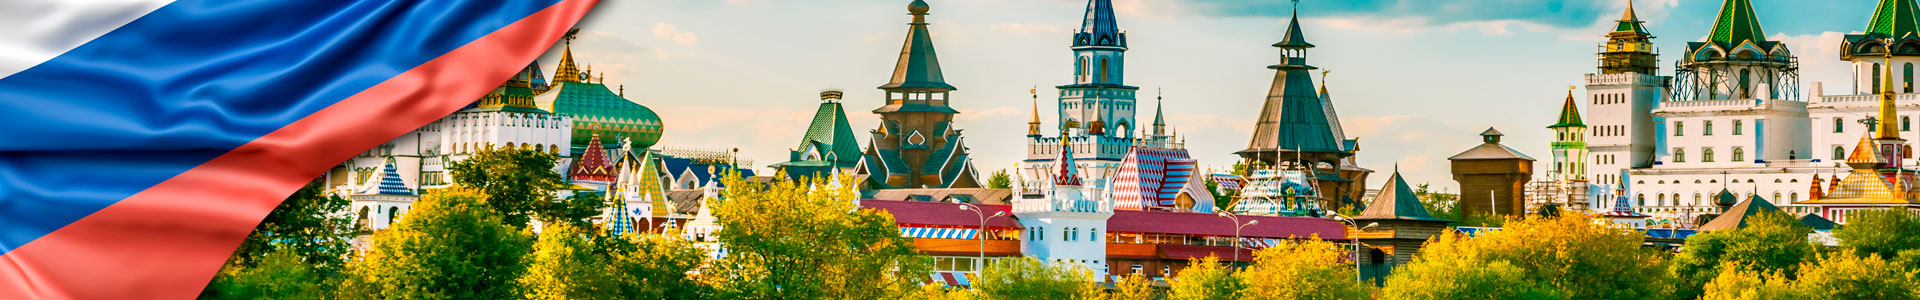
<point x="141" y="140"/>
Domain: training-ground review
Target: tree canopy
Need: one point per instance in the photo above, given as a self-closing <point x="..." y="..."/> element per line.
<point x="1572" y="254"/>
<point x="1029" y="278"/>
<point x="808" y="240"/>
<point x="451" y="247"/>
<point x="1205" y="279"/>
<point x="1771" y="242"/>
<point x="519" y="184"/>
<point x="1307" y="269"/>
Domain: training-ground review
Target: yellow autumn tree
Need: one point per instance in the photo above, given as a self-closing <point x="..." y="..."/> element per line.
<point x="1028" y="278"/>
<point x="808" y="240"/>
<point x="1307" y="269"/>
<point x="1134" y="286"/>
<point x="564" y="266"/>
<point x="1565" y="257"/>
<point x="453" y="246"/>
<point x="1205" y="279"/>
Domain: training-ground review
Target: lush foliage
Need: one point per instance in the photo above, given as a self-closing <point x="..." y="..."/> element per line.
<point x="1000" y="180"/>
<point x="1135" y="286"/>
<point x="1883" y="232"/>
<point x="1571" y="254"/>
<point x="280" y="274"/>
<point x="808" y="240"/>
<point x="1029" y="278"/>
<point x="519" y="184"/>
<point x="451" y="247"/>
<point x="1206" y="279"/>
<point x="1309" y="269"/>
<point x="564" y="265"/>
<point x="1772" y="242"/>
<point x="657" y="266"/>
<point x="309" y="224"/>
<point x="1839" y="276"/>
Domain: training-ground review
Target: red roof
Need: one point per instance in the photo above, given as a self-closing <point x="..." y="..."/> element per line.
<point x="940" y="213"/>
<point x="1214" y="225"/>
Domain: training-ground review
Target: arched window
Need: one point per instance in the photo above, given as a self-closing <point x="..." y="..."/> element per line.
<point x="1839" y="125"/>
<point x="1707" y="128"/>
<point x="1679" y="155"/>
<point x="1907" y="81"/>
<point x="1906" y="123"/>
<point x="1080" y="68"/>
<point x="1696" y="199"/>
<point x="393" y="215"/>
<point x="1793" y="196"/>
<point x="1737" y="126"/>
<point x="1739" y="155"/>
<point x="1642" y="198"/>
<point x="1103" y="69"/>
<point x="1839" y="153"/>
<point x="1876" y="78"/>
<point x="1679" y="128"/>
<point x="1663" y="200"/>
<point x="1745" y="84"/>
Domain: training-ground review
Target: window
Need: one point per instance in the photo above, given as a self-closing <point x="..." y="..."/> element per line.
<point x="1745" y="85"/>
<point x="1642" y="198"/>
<point x="1696" y="199"/>
<point x="1679" y="128"/>
<point x="1103" y="69"/>
<point x="1907" y="81"/>
<point x="1706" y="129"/>
<point x="1739" y="155"/>
<point x="1906" y="123"/>
<point x="1839" y="125"/>
<point x="1679" y="155"/>
<point x="1663" y="200"/>
<point x="1737" y="127"/>
<point x="1839" y="153"/>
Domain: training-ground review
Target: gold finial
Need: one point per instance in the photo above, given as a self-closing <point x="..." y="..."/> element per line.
<point x="1033" y="124"/>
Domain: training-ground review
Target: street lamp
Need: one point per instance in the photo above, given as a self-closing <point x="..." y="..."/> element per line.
<point x="982" y="235"/>
<point x="1356" y="241"/>
<point x="1236" y="233"/>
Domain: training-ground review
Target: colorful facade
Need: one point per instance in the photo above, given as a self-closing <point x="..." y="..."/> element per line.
<point x="1298" y="131"/>
<point x="917" y="145"/>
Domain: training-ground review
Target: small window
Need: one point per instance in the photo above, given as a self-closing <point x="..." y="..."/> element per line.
<point x="1739" y="155"/>
<point x="1839" y="125"/>
<point x="1706" y="129"/>
<point x="1839" y="153"/>
<point x="1737" y="127"/>
<point x="1679" y="155"/>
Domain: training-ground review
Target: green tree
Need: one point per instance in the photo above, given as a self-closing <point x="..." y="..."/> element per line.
<point x="1029" y="278"/>
<point x="451" y="247"/>
<point x="1884" y="232"/>
<point x="1572" y="254"/>
<point x="934" y="291"/>
<point x="280" y="274"/>
<point x="309" y="223"/>
<point x="1309" y="269"/>
<point x="519" y="184"/>
<point x="658" y="266"/>
<point x="1839" y="276"/>
<point x="1222" y="199"/>
<point x="1738" y="283"/>
<point x="564" y="265"/>
<point x="801" y="240"/>
<point x="1771" y="242"/>
<point x="1000" y="180"/>
<point x="1205" y="279"/>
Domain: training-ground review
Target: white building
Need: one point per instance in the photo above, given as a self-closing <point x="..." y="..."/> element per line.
<point x="1067" y="223"/>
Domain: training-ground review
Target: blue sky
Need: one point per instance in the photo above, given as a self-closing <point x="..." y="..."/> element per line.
<point x="1415" y="80"/>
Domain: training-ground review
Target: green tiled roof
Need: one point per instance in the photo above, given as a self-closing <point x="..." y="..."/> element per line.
<point x="1895" y="18"/>
<point x="1569" y="114"/>
<point x="1737" y="25"/>
<point x="830" y="131"/>
<point x="1294" y="37"/>
<point x="595" y="109"/>
<point x="919" y="66"/>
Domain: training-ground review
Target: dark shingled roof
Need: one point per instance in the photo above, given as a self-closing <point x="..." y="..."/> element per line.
<point x="1736" y="217"/>
<point x="1397" y="202"/>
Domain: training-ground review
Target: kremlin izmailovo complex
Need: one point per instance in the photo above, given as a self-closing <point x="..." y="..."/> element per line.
<point x="1725" y="136"/>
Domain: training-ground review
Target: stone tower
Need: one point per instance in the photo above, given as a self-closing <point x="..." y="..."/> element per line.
<point x="1621" y="98"/>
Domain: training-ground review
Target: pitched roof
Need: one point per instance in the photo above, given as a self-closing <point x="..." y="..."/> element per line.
<point x="1737" y="25"/>
<point x="919" y="66"/>
<point x="1099" y="29"/>
<point x="390" y="183"/>
<point x="1736" y="217"/>
<point x="940" y="213"/>
<point x="1569" y="114"/>
<point x="1894" y="18"/>
<point x="593" y="164"/>
<point x="830" y="131"/>
<point x="1294" y="117"/>
<point x="1397" y="202"/>
<point x="1629" y="22"/>
<point x="1294" y="37"/>
<point x="1817" y="222"/>
<point x="1490" y="151"/>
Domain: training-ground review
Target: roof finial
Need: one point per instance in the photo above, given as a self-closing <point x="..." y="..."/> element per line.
<point x="1033" y="124"/>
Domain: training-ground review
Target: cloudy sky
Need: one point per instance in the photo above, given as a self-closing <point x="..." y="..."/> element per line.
<point x="1414" y="80"/>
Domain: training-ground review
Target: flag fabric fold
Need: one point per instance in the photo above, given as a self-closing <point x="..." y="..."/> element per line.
<point x="141" y="140"/>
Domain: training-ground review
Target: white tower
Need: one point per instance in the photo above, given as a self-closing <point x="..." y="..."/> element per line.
<point x="1621" y="98"/>
<point x="1067" y="222"/>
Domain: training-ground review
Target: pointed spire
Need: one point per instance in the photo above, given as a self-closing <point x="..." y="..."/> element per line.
<point x="1895" y="19"/>
<point x="1033" y="124"/>
<point x="1888" y="108"/>
<point x="919" y="66"/>
<point x="1097" y="127"/>
<point x="1629" y="22"/>
<point x="1865" y="156"/>
<point x="1063" y="166"/>
<point x="1569" y="113"/>
<point x="568" y="71"/>
<point x="1294" y="37"/>
<point x="1099" y="29"/>
<point x="1737" y="25"/>
<point x="1397" y="201"/>
<point x="1159" y="122"/>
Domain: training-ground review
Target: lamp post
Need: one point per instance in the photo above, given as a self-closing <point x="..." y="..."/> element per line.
<point x="1355" y="238"/>
<point x="1236" y="232"/>
<point x="982" y="235"/>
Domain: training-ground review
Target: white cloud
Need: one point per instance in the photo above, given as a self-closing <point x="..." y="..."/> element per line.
<point x="1409" y="25"/>
<point x="1817" y="53"/>
<point x="666" y="31"/>
<point x="1030" y="29"/>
